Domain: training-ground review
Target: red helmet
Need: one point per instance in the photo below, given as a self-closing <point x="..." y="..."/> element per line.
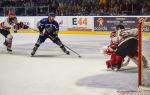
<point x="11" y="13"/>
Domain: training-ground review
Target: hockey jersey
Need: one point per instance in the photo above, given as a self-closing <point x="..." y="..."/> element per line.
<point x="7" y="25"/>
<point x="49" y="27"/>
<point x="121" y="35"/>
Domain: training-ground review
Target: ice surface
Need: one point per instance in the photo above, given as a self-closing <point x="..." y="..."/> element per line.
<point x="51" y="72"/>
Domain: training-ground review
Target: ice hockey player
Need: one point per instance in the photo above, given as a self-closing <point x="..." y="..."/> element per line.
<point x="111" y="48"/>
<point x="123" y="43"/>
<point x="48" y="28"/>
<point x="5" y="26"/>
<point x="10" y="22"/>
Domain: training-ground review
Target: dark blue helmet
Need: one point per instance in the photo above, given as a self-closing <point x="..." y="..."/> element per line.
<point x="52" y="14"/>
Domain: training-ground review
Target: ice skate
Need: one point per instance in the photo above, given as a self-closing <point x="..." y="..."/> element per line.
<point x="67" y="52"/>
<point x="9" y="50"/>
<point x="116" y="67"/>
<point x="34" y="51"/>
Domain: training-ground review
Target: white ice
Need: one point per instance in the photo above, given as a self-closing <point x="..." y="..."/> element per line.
<point x="51" y="72"/>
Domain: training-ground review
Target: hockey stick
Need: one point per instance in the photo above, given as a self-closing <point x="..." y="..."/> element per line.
<point x="73" y="51"/>
<point x="63" y="44"/>
<point x="67" y="47"/>
<point x="34" y="29"/>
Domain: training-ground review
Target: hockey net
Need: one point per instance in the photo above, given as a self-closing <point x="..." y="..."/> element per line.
<point x="143" y="49"/>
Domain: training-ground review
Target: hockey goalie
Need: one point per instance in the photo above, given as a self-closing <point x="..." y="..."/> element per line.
<point x="124" y="43"/>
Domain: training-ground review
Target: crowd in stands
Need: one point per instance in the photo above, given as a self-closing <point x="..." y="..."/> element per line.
<point x="77" y="7"/>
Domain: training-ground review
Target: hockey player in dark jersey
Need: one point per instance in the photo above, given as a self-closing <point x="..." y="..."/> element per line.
<point x="49" y="28"/>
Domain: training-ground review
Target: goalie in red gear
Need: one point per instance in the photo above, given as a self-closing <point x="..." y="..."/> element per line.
<point x="125" y="44"/>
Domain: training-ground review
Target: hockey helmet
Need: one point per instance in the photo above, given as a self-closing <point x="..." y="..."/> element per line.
<point x="119" y="27"/>
<point x="52" y="14"/>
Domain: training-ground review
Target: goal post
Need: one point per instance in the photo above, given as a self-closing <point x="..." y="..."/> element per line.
<point x="140" y="25"/>
<point x="143" y="73"/>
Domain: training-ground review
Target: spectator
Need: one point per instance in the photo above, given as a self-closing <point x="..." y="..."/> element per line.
<point x="79" y="7"/>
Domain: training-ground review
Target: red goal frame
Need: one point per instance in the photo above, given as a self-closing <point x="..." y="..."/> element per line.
<point x="140" y="25"/>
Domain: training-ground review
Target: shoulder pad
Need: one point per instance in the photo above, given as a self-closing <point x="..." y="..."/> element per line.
<point x="44" y="20"/>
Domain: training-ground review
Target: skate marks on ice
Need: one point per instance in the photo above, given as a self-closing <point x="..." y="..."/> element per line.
<point x="129" y="69"/>
<point x="87" y="46"/>
<point x="114" y="80"/>
<point x="26" y="53"/>
<point x="87" y="49"/>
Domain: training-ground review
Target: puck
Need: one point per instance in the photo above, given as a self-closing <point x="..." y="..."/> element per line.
<point x="79" y="56"/>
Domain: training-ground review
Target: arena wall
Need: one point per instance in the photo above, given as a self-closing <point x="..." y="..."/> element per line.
<point x="92" y="25"/>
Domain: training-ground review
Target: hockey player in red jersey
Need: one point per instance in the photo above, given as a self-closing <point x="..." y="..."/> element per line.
<point x="123" y="43"/>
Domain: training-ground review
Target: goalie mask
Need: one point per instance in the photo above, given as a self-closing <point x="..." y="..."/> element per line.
<point x="118" y="27"/>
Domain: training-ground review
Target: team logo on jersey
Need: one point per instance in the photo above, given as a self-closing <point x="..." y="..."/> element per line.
<point x="49" y="27"/>
<point x="100" y="21"/>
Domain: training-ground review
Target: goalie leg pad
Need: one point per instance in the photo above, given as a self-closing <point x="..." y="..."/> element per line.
<point x="144" y="61"/>
<point x="115" y="60"/>
<point x="135" y="60"/>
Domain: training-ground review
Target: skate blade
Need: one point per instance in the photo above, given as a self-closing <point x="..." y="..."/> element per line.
<point x="9" y="52"/>
<point x="31" y="55"/>
<point x="115" y="69"/>
<point x="109" y="69"/>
